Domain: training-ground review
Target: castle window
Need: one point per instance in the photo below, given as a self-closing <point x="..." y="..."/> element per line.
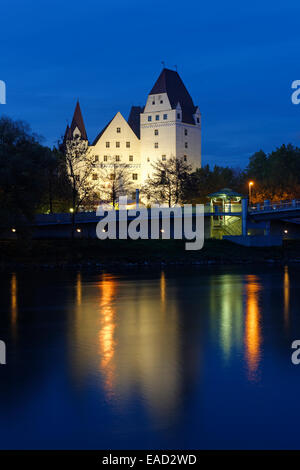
<point x="161" y="101"/>
<point x="96" y="158"/>
<point x="118" y="130"/>
<point x="148" y="159"/>
<point x="107" y="145"/>
<point x="149" y="118"/>
<point x="153" y="102"/>
<point x="128" y="145"/>
<point x="117" y="158"/>
<point x="156" y="145"/>
<point x="134" y="176"/>
<point x="77" y="178"/>
<point x="95" y="176"/>
<point x="112" y="176"/>
<point x="164" y="158"/>
<point x="131" y="158"/>
<point x="156" y="132"/>
<point x="165" y="116"/>
<point x="157" y="117"/>
<point x="105" y="158"/>
<point x="185" y="132"/>
<point x="117" y="144"/>
<point x="186" y="145"/>
<point x="178" y="115"/>
<point x="198" y="120"/>
<point x="185" y="158"/>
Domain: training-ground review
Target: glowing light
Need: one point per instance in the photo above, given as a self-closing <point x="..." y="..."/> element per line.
<point x="252" y="327"/>
<point x="13" y="230"/>
<point x="251" y="183"/>
<point x="162" y="230"/>
<point x="286" y="231"/>
<point x="78" y="230"/>
<point x="71" y="209"/>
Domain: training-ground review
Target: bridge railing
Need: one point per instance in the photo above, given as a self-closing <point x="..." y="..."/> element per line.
<point x="268" y="206"/>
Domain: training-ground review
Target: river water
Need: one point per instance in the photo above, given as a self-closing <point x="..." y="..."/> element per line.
<point x="191" y="359"/>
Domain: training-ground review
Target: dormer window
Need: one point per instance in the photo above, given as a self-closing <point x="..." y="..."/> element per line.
<point x="149" y="118"/>
<point x="178" y="115"/>
<point x="118" y="130"/>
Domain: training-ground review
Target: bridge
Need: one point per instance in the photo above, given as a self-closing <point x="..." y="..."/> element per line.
<point x="277" y="210"/>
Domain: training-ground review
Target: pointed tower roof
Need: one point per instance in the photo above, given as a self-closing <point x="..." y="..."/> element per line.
<point x="77" y="121"/>
<point x="134" y="119"/>
<point x="170" y="82"/>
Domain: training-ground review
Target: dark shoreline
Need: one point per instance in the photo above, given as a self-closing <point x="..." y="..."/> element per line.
<point x="126" y="254"/>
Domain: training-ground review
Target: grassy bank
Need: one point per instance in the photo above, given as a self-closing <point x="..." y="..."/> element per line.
<point x="56" y="253"/>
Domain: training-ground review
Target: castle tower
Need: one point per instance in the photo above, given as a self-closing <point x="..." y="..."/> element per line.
<point x="77" y="129"/>
<point x="170" y="124"/>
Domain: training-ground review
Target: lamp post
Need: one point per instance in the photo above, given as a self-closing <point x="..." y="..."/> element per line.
<point x="250" y="191"/>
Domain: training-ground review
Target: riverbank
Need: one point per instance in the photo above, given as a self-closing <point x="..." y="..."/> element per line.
<point x="89" y="253"/>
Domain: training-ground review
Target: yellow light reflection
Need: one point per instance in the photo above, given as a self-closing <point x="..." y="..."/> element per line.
<point x="163" y="288"/>
<point x="107" y="343"/>
<point x="78" y="289"/>
<point x="14" y="302"/>
<point x="253" y="337"/>
<point x="286" y="296"/>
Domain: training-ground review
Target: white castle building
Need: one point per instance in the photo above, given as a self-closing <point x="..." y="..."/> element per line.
<point x="168" y="126"/>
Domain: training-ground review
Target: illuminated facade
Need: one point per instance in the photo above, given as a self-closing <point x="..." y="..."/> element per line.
<point x="168" y="126"/>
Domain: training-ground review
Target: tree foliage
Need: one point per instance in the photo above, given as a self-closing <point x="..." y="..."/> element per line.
<point x="168" y="182"/>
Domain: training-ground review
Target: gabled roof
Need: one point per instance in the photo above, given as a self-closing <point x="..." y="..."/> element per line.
<point x="170" y="82"/>
<point x="102" y="132"/>
<point x="134" y="119"/>
<point x="77" y="121"/>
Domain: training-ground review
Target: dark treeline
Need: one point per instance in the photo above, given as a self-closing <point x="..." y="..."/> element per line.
<point x="33" y="177"/>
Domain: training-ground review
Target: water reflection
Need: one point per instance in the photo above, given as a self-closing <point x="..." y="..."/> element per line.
<point x="107" y="342"/>
<point x="253" y="338"/>
<point x="126" y="333"/>
<point x="286" y="296"/>
<point x="14" y="303"/>
<point x="226" y="311"/>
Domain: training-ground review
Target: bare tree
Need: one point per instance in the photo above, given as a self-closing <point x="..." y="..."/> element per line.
<point x="168" y="181"/>
<point x="80" y="169"/>
<point x="115" y="181"/>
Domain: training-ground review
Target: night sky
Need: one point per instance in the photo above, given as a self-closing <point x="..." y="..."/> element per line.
<point x="237" y="59"/>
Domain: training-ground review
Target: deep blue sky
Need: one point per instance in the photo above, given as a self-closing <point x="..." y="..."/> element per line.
<point x="237" y="60"/>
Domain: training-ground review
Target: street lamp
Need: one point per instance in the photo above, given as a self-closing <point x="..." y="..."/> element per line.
<point x="250" y="192"/>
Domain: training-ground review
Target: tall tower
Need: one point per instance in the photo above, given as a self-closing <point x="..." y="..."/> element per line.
<point x="77" y="128"/>
<point x="170" y="124"/>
